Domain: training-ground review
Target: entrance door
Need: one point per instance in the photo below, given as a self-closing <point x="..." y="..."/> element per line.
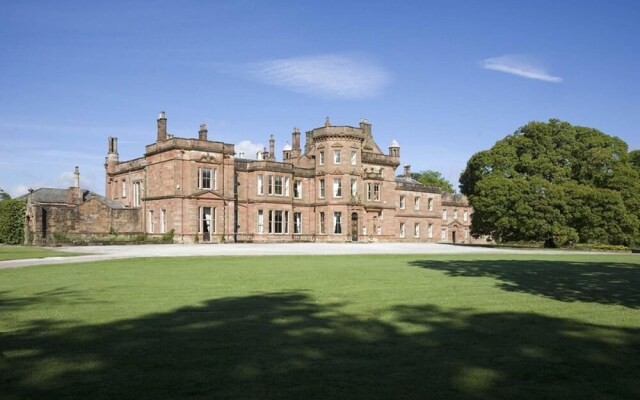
<point x="354" y="227"/>
<point x="453" y="236"/>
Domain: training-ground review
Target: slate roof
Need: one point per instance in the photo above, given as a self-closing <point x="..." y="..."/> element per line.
<point x="59" y="196"/>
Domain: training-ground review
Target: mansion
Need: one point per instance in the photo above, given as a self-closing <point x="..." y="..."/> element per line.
<point x="337" y="187"/>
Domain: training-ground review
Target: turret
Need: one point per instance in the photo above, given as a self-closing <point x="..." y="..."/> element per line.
<point x="394" y="149"/>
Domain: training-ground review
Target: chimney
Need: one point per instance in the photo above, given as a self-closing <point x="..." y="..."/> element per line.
<point x="162" y="127"/>
<point x="74" y="193"/>
<point x="113" y="145"/>
<point x="112" y="154"/>
<point x="407" y="171"/>
<point x="366" y="127"/>
<point x="76" y="177"/>
<point x="295" y="140"/>
<point x="202" y="133"/>
<point x="272" y="148"/>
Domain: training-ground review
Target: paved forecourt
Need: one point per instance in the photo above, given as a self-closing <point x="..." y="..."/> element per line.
<point x="98" y="253"/>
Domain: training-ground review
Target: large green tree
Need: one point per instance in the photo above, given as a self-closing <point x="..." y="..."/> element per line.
<point x="4" y="195"/>
<point x="555" y="183"/>
<point x="433" y="178"/>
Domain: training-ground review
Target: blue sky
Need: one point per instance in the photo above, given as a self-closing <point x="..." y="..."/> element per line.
<point x="445" y="79"/>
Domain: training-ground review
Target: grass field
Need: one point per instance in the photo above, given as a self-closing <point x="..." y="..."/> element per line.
<point x="24" y="252"/>
<point x="324" y="327"/>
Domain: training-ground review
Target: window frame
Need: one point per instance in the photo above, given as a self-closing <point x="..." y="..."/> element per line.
<point x="337" y="188"/>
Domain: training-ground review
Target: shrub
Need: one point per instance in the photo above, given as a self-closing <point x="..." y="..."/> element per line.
<point x="12" y="221"/>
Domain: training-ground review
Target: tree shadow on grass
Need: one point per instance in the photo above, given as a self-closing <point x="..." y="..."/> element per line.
<point x="286" y="346"/>
<point x="597" y="282"/>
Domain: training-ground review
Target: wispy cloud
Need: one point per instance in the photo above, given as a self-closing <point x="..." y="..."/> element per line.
<point x="331" y="75"/>
<point x="520" y="65"/>
<point x="248" y="148"/>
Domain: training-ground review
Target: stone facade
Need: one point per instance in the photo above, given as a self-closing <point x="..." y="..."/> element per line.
<point x="339" y="187"/>
<point x="55" y="215"/>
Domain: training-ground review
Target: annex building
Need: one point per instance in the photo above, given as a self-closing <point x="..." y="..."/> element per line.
<point x="339" y="187"/>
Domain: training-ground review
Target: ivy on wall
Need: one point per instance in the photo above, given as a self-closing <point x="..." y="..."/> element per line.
<point x="12" y="221"/>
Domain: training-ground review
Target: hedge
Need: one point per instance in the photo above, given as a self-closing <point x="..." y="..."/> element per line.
<point x="12" y="221"/>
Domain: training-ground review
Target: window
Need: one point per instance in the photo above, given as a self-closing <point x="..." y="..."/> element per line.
<point x="163" y="221"/>
<point x="286" y="222"/>
<point x="206" y="178"/>
<point x="321" y="157"/>
<point x="466" y="233"/>
<point x="444" y="214"/>
<point x="207" y="219"/>
<point x="354" y="157"/>
<point x="337" y="223"/>
<point x="260" y="185"/>
<point x="297" y="222"/>
<point x="402" y="202"/>
<point x="430" y="204"/>
<point x="297" y="189"/>
<point x="402" y="229"/>
<point x="337" y="187"/>
<point x="354" y="188"/>
<point x="465" y="216"/>
<point x="150" y="222"/>
<point x="321" y="223"/>
<point x="277" y="223"/>
<point x="416" y="230"/>
<point x="455" y="214"/>
<point x="430" y="231"/>
<point x="337" y="158"/>
<point x="270" y="183"/>
<point x="321" y="189"/>
<point x="373" y="191"/>
<point x="416" y="203"/>
<point x="443" y="234"/>
<point x="260" y="221"/>
<point x="124" y="188"/>
<point x="278" y="185"/>
<point x="136" y="194"/>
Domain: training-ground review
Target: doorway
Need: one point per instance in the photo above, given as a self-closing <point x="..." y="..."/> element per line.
<point x="354" y="227"/>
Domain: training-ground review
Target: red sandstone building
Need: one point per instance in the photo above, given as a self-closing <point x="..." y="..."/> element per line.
<point x="339" y="187"/>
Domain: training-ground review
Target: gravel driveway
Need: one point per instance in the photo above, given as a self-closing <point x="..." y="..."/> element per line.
<point x="96" y="253"/>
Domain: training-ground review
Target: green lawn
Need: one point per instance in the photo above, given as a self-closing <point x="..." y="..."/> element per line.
<point x="332" y="327"/>
<point x="24" y="252"/>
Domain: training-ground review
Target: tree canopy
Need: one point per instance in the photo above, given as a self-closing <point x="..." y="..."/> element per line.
<point x="4" y="195"/>
<point x="433" y="178"/>
<point x="555" y="183"/>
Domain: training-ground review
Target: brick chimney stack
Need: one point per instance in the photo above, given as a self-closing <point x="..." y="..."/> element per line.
<point x="162" y="127"/>
<point x="407" y="171"/>
<point x="76" y="177"/>
<point x="74" y="193"/>
<point x="295" y="140"/>
<point x="202" y="133"/>
<point x="272" y="148"/>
